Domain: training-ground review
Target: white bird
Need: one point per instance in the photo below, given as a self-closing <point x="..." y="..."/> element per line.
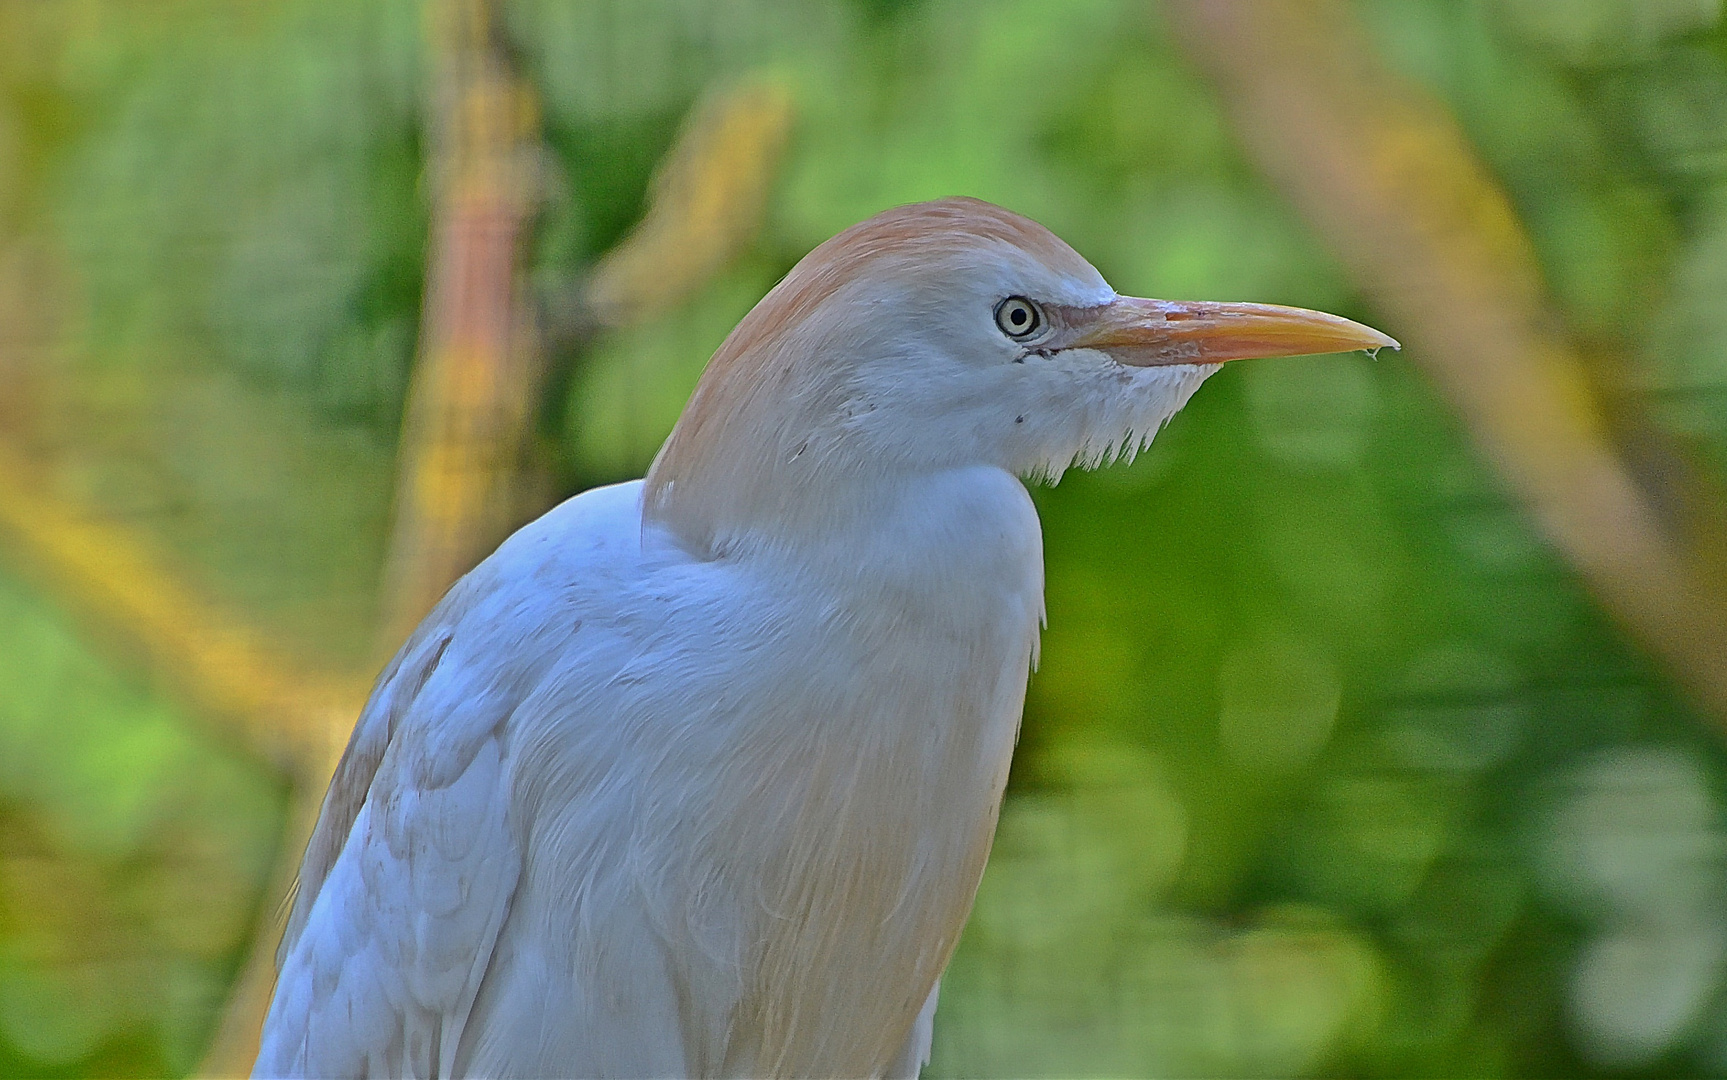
<point x="696" y="775"/>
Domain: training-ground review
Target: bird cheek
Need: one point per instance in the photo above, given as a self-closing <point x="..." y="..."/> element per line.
<point x="1084" y="360"/>
<point x="1034" y="352"/>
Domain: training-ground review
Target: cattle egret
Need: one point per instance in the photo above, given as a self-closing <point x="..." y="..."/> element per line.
<point x="696" y="775"/>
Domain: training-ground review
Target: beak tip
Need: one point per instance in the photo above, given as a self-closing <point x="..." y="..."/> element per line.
<point x="1368" y="339"/>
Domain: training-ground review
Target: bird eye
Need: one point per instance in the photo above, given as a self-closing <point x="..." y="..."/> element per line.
<point x="1018" y="318"/>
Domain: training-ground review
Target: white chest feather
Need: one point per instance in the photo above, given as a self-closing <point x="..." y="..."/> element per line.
<point x="791" y="770"/>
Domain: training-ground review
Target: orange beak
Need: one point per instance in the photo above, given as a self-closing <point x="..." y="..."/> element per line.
<point x="1152" y="333"/>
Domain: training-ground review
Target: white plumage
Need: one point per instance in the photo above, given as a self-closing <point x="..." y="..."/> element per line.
<point x="696" y="775"/>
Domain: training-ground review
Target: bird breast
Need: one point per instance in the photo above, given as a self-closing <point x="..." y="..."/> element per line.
<point x="806" y="756"/>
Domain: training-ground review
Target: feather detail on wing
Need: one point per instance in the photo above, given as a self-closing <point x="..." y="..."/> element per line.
<point x="406" y="881"/>
<point x="394" y="693"/>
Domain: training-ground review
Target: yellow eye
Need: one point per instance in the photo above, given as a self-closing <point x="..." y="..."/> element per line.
<point x="1018" y="318"/>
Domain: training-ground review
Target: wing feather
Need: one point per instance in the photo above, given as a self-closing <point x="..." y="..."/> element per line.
<point x="407" y="879"/>
<point x="394" y="692"/>
<point x="414" y="869"/>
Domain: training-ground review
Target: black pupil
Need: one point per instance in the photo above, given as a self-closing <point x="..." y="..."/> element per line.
<point x="1018" y="316"/>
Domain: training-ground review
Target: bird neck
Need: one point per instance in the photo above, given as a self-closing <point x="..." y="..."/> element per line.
<point x="772" y="454"/>
<point x="798" y="502"/>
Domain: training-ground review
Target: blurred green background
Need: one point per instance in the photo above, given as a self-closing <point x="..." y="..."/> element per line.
<point x="1332" y="767"/>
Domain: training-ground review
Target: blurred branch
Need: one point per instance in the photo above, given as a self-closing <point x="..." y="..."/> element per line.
<point x="470" y="401"/>
<point x="221" y="668"/>
<point x="470" y="404"/>
<point x="706" y="204"/>
<point x="1385" y="174"/>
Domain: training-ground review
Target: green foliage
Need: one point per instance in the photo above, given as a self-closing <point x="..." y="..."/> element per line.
<point x="132" y="852"/>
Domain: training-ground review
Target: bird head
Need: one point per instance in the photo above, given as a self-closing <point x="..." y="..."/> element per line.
<point x="935" y="336"/>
